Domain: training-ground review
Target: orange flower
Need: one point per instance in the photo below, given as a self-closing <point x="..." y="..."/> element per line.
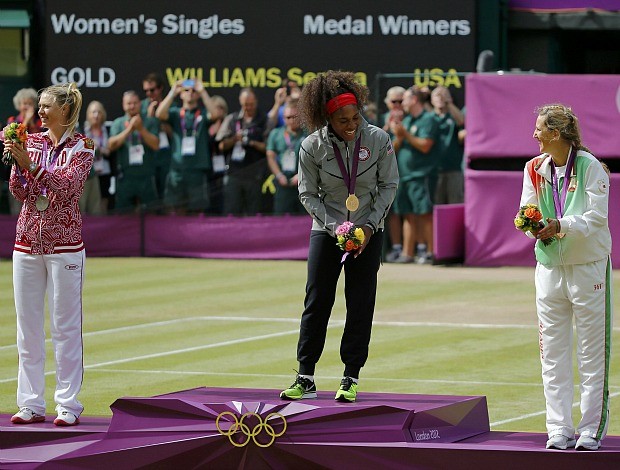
<point x="350" y="245"/>
<point x="21" y="133"/>
<point x="533" y="214"/>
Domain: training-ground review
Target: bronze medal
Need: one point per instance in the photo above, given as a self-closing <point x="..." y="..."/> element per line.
<point x="42" y="203"/>
<point x="352" y="203"/>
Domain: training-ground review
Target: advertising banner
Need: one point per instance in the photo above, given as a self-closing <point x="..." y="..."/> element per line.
<point x="108" y="47"/>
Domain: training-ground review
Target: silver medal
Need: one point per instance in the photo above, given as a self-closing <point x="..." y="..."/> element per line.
<point x="42" y="203"/>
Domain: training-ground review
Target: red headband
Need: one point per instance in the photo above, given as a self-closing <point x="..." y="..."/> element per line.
<point x="340" y="101"/>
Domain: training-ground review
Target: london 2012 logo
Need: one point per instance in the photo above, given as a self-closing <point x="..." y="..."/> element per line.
<point x="251" y="427"/>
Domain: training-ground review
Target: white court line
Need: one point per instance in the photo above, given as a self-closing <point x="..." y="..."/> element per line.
<point x="538" y="413"/>
<point x="322" y="377"/>
<point x="179" y="351"/>
<point x="293" y="320"/>
<point x="319" y="377"/>
<point x="278" y="320"/>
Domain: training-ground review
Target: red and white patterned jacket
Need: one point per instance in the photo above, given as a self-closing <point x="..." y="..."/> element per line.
<point x="58" y="229"/>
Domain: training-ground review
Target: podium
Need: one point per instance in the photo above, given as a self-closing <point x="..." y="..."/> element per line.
<point x="219" y="428"/>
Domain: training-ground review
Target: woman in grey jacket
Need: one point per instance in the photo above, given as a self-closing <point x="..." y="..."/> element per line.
<point x="347" y="172"/>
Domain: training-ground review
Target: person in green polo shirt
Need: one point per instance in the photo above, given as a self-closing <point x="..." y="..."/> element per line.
<point x="414" y="142"/>
<point x="136" y="141"/>
<point x="153" y="87"/>
<point x="283" y="158"/>
<point x="450" y="178"/>
<point x="187" y="182"/>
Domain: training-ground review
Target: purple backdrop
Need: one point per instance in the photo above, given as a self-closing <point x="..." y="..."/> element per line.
<point x="273" y="237"/>
<point x="501" y="111"/>
<point x="611" y="5"/>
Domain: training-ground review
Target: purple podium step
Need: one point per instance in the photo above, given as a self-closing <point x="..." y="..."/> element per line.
<point x="374" y="417"/>
<point x="215" y="428"/>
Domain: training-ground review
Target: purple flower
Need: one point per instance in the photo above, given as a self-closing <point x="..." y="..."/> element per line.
<point x="345" y="228"/>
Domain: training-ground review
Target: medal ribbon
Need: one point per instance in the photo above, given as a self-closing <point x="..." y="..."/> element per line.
<point x="287" y="141"/>
<point x="557" y="201"/>
<point x="52" y="163"/>
<point x="194" y="124"/>
<point x="349" y="179"/>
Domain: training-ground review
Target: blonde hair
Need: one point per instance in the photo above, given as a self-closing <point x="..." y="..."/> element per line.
<point x="561" y="118"/>
<point x="220" y="101"/>
<point x="23" y="95"/>
<point x="67" y="94"/>
<point x="92" y="104"/>
<point x="395" y="90"/>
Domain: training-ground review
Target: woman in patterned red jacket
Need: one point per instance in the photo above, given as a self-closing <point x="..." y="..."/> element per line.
<point x="48" y="176"/>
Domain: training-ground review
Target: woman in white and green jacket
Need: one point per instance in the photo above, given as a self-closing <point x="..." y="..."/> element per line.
<point x="573" y="276"/>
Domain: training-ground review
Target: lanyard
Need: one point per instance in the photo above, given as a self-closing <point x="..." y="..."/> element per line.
<point x="288" y="141"/>
<point x="349" y="179"/>
<point x="194" y="124"/>
<point x="99" y="138"/>
<point x="557" y="201"/>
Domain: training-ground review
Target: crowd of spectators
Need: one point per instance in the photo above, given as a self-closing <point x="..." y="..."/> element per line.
<point x="428" y="133"/>
<point x="187" y="152"/>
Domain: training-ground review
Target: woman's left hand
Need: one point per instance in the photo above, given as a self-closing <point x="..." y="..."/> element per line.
<point x="367" y="235"/>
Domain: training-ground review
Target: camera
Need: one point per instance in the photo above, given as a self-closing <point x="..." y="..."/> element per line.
<point x="189" y="83"/>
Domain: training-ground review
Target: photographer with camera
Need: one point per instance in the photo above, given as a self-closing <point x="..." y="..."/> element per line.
<point x="242" y="139"/>
<point x="186" y="188"/>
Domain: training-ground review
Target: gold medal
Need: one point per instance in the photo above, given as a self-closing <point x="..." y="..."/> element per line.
<point x="42" y="203"/>
<point x="352" y="203"/>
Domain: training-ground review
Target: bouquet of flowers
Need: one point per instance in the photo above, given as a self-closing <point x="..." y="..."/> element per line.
<point x="16" y="132"/>
<point x="349" y="238"/>
<point x="529" y="219"/>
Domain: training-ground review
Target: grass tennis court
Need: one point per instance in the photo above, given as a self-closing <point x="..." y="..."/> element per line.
<point x="158" y="325"/>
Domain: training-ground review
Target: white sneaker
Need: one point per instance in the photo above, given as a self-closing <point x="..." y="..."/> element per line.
<point x="26" y="416"/>
<point x="588" y="443"/>
<point x="392" y="255"/>
<point x="65" y="418"/>
<point x="404" y="259"/>
<point x="560" y="442"/>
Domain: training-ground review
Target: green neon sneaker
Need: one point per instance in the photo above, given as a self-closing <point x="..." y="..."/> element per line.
<point x="301" y="388"/>
<point x="348" y="390"/>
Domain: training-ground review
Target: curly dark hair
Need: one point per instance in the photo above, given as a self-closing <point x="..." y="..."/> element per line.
<point x="325" y="86"/>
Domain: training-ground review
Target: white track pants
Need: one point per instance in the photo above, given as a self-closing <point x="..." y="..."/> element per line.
<point x="61" y="276"/>
<point x="581" y="292"/>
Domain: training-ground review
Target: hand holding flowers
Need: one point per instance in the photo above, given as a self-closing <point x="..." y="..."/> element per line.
<point x="15" y="132"/>
<point x="529" y="219"/>
<point x="349" y="238"/>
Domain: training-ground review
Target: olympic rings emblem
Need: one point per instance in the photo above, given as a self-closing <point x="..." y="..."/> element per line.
<point x="240" y="425"/>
